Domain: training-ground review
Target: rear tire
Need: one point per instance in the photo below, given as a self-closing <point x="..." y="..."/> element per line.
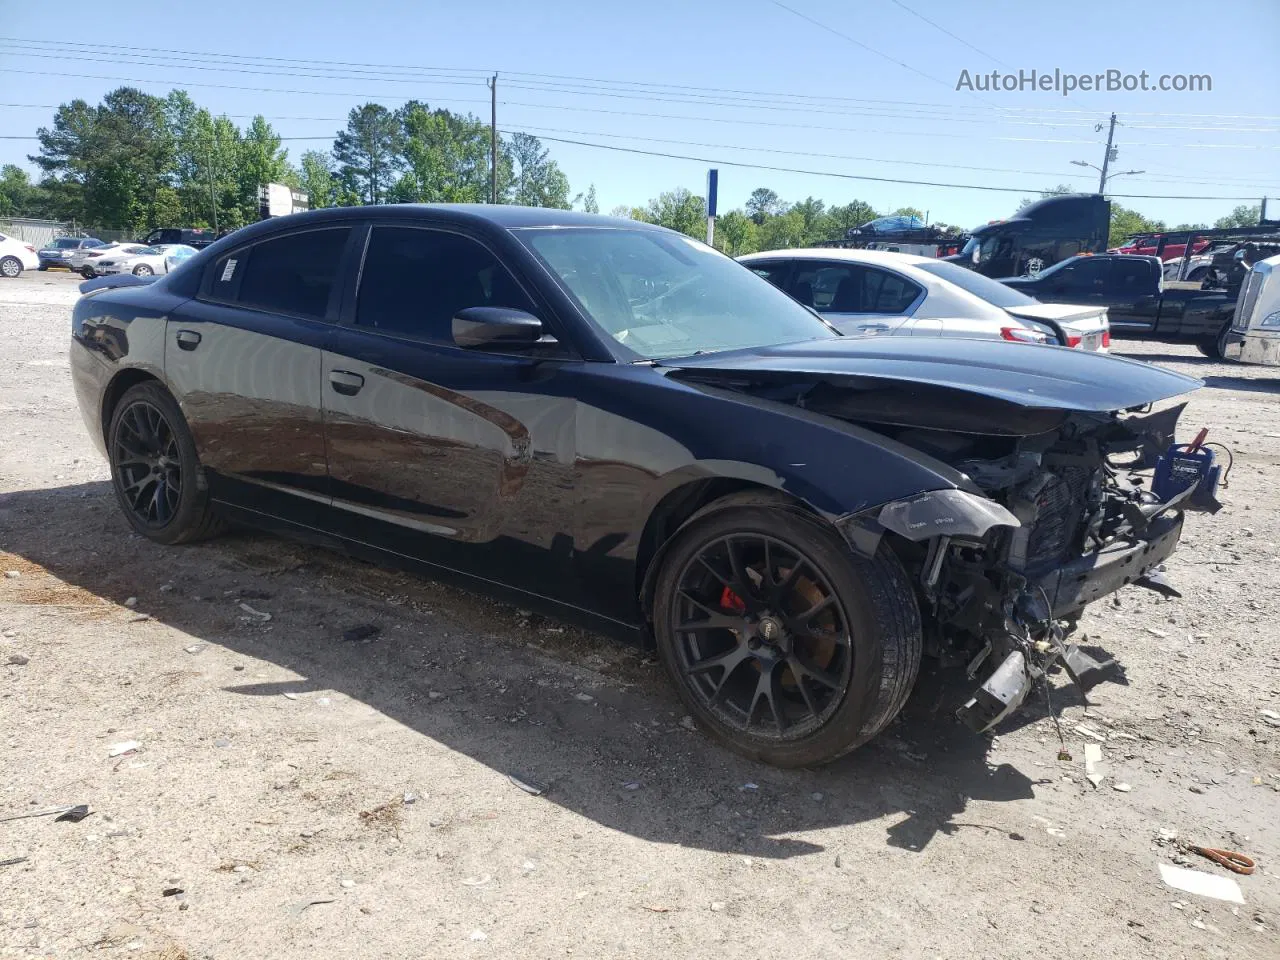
<point x="155" y="470"/>
<point x="87" y="273"/>
<point x="10" y="268"/>
<point x="1216" y="348"/>
<point x="142" y="270"/>
<point x="792" y="690"/>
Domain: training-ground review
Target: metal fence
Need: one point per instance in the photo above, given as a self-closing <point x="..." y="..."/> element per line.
<point x="40" y="232"/>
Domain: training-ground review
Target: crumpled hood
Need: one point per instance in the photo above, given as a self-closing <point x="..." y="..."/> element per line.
<point x="971" y="386"/>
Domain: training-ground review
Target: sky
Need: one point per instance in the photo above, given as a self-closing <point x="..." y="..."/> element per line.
<point x="838" y="92"/>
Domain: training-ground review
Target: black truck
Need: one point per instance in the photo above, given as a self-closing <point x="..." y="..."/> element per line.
<point x="1039" y="235"/>
<point x="1140" y="304"/>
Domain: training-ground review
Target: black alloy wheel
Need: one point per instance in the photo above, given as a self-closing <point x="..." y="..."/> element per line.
<point x="155" y="469"/>
<point x="147" y="464"/>
<point x="781" y="643"/>
<point x="762" y="638"/>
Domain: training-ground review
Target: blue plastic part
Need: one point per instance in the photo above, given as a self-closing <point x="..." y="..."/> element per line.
<point x="1181" y="467"/>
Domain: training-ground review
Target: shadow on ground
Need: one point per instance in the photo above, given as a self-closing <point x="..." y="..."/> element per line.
<point x="509" y="688"/>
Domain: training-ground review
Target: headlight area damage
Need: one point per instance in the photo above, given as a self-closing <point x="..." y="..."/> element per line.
<point x="1064" y="497"/>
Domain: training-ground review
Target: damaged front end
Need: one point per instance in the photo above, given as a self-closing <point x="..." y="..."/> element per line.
<point x="1058" y="485"/>
<point x="1063" y="518"/>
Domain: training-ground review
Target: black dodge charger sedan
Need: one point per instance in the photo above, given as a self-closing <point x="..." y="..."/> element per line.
<point x="615" y="422"/>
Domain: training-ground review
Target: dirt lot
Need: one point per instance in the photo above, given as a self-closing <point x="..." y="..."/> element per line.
<point x="313" y="796"/>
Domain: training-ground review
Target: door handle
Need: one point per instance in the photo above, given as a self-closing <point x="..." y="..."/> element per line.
<point x="187" y="339"/>
<point x="874" y="327"/>
<point x="345" y="382"/>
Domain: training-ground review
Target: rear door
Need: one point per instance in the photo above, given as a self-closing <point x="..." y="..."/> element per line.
<point x="461" y="458"/>
<point x="244" y="359"/>
<point x="858" y="299"/>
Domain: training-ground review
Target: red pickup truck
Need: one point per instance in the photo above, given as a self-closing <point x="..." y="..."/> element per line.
<point x="1147" y="246"/>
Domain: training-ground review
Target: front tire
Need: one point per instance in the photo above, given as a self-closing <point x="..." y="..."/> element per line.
<point x="155" y="471"/>
<point x="87" y="273"/>
<point x="10" y="267"/>
<point x="142" y="270"/>
<point x="781" y="643"/>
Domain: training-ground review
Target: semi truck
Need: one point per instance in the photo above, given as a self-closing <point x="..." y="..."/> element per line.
<point x="1039" y="235"/>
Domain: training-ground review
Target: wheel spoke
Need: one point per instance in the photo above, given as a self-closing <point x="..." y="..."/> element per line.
<point x="816" y="609"/>
<point x="741" y="584"/>
<point x="804" y="689"/>
<point x="727" y="661"/>
<point x="789" y="581"/>
<point x="768" y="690"/>
<point x="802" y="669"/>
<point x="727" y="621"/>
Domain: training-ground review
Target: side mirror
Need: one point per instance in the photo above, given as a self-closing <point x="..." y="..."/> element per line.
<point x="497" y="326"/>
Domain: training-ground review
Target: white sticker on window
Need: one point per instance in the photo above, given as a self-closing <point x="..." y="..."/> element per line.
<point x="228" y="271"/>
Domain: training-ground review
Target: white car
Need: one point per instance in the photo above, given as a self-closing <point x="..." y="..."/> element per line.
<point x="15" y="256"/>
<point x="870" y="293"/>
<point x="141" y="262"/>
<point x="85" y="260"/>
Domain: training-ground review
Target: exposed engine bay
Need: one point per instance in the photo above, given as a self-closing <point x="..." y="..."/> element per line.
<point x="1084" y="518"/>
<point x="1062" y="493"/>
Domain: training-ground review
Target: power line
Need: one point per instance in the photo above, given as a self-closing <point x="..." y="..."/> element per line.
<point x="938" y="26"/>
<point x="858" y="43"/>
<point x="480" y="73"/>
<point x="851" y="176"/>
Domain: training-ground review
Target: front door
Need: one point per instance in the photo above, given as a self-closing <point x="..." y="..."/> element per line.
<point x="244" y="360"/>
<point x="462" y="458"/>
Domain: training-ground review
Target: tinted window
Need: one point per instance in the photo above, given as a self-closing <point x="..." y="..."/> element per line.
<point x="853" y="288"/>
<point x="663" y="294"/>
<point x="1086" y="272"/>
<point x="1131" y="275"/>
<point x="992" y="291"/>
<point x="775" y="273"/>
<point x="66" y="243"/>
<point x="292" y="274"/>
<point x="414" y="281"/>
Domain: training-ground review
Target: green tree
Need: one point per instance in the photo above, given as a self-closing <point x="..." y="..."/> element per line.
<point x="853" y="214"/>
<point x="444" y="156"/>
<point x="623" y="212"/>
<point x="1241" y="216"/>
<point x="316" y="180"/>
<point x="119" y="157"/>
<point x="261" y="160"/>
<point x="909" y="212"/>
<point x="736" y="234"/>
<point x="17" y="192"/>
<point x="783" y="231"/>
<point x="1126" y="222"/>
<point x="537" y="180"/>
<point x="763" y="204"/>
<point x="589" y="202"/>
<point x="368" y="152"/>
<point x="678" y="209"/>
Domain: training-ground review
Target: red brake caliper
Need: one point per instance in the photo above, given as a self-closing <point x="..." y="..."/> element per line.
<point x="731" y="601"/>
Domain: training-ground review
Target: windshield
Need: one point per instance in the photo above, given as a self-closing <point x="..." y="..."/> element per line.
<point x="970" y="246"/>
<point x="667" y="295"/>
<point x="992" y="291"/>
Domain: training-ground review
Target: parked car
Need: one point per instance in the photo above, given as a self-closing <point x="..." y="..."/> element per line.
<point x="15" y="256"/>
<point x="143" y="261"/>
<point x="57" y="253"/>
<point x="1255" y="331"/>
<point x="869" y="292"/>
<point x="175" y="255"/>
<point x="615" y="422"/>
<point x="84" y="260"/>
<point x="195" y="237"/>
<point x="1133" y="291"/>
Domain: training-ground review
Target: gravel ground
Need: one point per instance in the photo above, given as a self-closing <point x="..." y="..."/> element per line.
<point x="316" y="796"/>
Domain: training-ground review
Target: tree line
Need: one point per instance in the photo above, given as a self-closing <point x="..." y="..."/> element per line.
<point x="137" y="161"/>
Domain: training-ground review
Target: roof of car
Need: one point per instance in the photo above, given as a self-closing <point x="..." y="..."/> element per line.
<point x="840" y="253"/>
<point x="502" y="215"/>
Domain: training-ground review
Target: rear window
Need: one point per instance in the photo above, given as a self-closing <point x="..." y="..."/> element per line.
<point x="992" y="291"/>
<point x="293" y="274"/>
<point x="66" y="243"/>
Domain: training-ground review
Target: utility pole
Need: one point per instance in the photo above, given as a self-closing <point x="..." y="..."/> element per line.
<point x="213" y="196"/>
<point x="493" y="139"/>
<point x="1106" y="157"/>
